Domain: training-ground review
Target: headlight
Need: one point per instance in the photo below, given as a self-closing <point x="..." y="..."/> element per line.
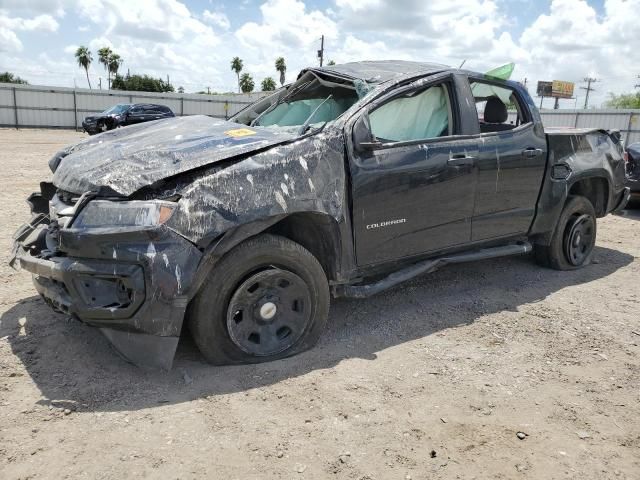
<point x="107" y="213"/>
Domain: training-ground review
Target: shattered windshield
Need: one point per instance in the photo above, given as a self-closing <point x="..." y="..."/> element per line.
<point x="117" y="109"/>
<point x="310" y="101"/>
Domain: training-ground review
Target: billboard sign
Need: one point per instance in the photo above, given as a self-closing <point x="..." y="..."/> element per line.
<point x="561" y="89"/>
<point x="555" y="89"/>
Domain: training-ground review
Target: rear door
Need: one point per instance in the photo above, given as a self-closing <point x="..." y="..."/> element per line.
<point x="512" y="160"/>
<point x="135" y="115"/>
<point x="414" y="193"/>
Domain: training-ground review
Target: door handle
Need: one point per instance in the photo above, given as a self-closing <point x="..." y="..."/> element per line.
<point x="460" y="160"/>
<point x="531" y="152"/>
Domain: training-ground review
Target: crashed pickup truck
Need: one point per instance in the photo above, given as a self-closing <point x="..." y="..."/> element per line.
<point x="352" y="179"/>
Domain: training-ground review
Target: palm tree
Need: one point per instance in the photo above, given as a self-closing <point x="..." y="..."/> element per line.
<point x="282" y="68"/>
<point x="236" y="66"/>
<point x="84" y="58"/>
<point x="246" y="83"/>
<point x="268" y="84"/>
<point x="103" y="57"/>
<point x="115" y="61"/>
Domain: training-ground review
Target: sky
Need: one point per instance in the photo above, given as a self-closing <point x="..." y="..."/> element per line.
<point x="193" y="41"/>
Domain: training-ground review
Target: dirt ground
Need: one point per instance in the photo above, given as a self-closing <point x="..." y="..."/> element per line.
<point x="433" y="379"/>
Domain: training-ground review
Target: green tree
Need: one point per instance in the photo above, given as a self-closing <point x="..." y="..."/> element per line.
<point x="7" y="77"/>
<point x="246" y="83"/>
<point x="281" y="67"/>
<point x="141" y="83"/>
<point x="330" y="63"/>
<point x="84" y="58"/>
<point x="115" y="61"/>
<point x="268" y="84"/>
<point x="181" y="89"/>
<point x="103" y="57"/>
<point x="624" y="100"/>
<point x="236" y="66"/>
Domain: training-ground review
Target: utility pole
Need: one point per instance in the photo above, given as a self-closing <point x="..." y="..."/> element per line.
<point x="321" y="51"/>
<point x="588" y="88"/>
<point x="100" y="82"/>
<point x="637" y="84"/>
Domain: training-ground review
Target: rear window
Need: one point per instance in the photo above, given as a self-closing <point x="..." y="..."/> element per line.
<point x="499" y="107"/>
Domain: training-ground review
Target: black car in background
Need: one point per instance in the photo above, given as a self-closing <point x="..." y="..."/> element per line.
<point x="632" y="157"/>
<point x="124" y="114"/>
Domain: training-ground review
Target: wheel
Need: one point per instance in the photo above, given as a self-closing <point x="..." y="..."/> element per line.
<point x="102" y="127"/>
<point x="267" y="298"/>
<point x="573" y="240"/>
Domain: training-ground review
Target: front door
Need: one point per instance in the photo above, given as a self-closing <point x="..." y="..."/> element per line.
<point x="413" y="192"/>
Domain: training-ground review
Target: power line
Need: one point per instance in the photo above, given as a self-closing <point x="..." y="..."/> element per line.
<point x="588" y="88"/>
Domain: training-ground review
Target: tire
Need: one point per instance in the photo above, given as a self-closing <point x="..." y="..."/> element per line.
<point x="266" y="299"/>
<point x="574" y="238"/>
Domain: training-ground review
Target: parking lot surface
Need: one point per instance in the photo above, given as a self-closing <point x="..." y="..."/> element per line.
<point x="495" y="369"/>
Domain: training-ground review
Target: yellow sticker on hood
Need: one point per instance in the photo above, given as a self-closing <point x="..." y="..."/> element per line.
<point x="240" y="132"/>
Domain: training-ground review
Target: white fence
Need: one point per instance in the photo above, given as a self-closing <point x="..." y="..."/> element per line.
<point x="627" y="121"/>
<point x="57" y="107"/>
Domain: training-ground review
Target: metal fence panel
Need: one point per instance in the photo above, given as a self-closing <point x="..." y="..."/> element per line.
<point x="54" y="107"/>
<point x="59" y="107"/>
<point x="627" y="121"/>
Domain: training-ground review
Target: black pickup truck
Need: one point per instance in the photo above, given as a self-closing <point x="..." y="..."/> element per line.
<point x="354" y="178"/>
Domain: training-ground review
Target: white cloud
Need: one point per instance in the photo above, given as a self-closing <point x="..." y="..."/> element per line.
<point x="10" y="25"/>
<point x="217" y="19"/>
<point x="9" y="41"/>
<point x="161" y="37"/>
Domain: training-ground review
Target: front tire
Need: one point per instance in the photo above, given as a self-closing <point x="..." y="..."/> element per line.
<point x="574" y="238"/>
<point x="266" y="299"/>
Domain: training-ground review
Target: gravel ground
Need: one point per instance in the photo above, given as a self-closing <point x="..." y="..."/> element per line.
<point x="496" y="369"/>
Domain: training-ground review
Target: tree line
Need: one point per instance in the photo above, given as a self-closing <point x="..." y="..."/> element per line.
<point x="245" y="81"/>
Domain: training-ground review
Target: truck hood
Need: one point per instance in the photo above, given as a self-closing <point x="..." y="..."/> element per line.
<point x="124" y="160"/>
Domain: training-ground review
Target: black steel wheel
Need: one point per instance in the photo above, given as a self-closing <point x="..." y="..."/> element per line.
<point x="269" y="312"/>
<point x="573" y="239"/>
<point x="267" y="298"/>
<point x="579" y="238"/>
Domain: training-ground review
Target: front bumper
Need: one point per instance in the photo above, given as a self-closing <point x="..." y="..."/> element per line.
<point x="90" y="127"/>
<point x="133" y="285"/>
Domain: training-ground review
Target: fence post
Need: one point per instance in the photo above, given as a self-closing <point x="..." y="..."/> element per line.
<point x="75" y="110"/>
<point x="226" y="109"/>
<point x="15" y="107"/>
<point x="182" y="106"/>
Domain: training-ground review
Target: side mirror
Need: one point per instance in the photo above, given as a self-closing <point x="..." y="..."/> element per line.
<point x="363" y="139"/>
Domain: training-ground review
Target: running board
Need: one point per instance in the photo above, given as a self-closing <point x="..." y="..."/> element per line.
<point x="428" y="266"/>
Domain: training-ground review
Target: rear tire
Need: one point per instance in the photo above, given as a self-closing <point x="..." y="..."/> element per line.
<point x="574" y="238"/>
<point x="266" y="299"/>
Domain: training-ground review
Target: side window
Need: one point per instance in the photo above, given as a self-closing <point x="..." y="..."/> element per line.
<point x="499" y="107"/>
<point x="419" y="115"/>
<point x="136" y="110"/>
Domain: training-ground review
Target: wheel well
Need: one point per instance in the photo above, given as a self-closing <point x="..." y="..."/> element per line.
<point x="316" y="232"/>
<point x="596" y="190"/>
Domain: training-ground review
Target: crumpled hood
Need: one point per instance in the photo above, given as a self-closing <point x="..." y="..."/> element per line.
<point x="124" y="160"/>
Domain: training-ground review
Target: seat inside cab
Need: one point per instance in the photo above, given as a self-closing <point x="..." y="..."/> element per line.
<point x="498" y="107"/>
